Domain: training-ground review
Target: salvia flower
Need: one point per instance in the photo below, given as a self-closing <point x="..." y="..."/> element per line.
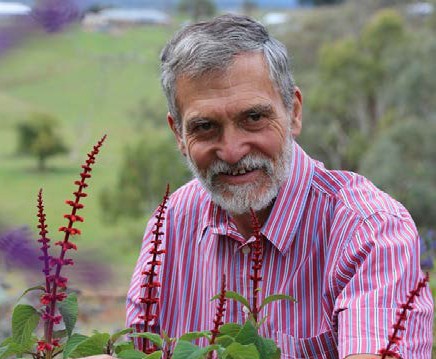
<point x="53" y="266"/>
<point x="257" y="259"/>
<point x="220" y="309"/>
<point x="150" y="283"/>
<point x="395" y="338"/>
<point x="44" y="240"/>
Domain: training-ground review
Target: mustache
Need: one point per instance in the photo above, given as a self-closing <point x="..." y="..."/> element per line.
<point x="249" y="162"/>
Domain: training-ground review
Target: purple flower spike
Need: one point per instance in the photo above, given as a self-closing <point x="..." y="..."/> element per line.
<point x="18" y="251"/>
<point x="54" y="15"/>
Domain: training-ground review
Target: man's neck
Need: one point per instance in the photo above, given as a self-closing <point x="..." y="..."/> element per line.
<point x="244" y="223"/>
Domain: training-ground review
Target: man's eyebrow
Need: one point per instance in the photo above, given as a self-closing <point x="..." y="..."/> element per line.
<point x="259" y="109"/>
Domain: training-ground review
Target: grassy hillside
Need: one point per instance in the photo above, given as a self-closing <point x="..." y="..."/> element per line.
<point x="93" y="82"/>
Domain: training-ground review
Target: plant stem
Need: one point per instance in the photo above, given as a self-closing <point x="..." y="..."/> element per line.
<point x="402" y="316"/>
<point x="257" y="260"/>
<point x="151" y="284"/>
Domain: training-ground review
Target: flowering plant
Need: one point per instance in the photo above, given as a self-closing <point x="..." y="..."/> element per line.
<point x="57" y="305"/>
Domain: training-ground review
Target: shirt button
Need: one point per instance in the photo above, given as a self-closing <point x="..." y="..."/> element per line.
<point x="246" y="249"/>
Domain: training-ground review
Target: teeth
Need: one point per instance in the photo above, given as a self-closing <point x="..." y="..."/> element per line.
<point x="242" y="171"/>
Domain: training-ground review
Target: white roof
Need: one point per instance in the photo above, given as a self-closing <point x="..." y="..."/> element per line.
<point x="420" y="8"/>
<point x="134" y="15"/>
<point x="13" y="8"/>
<point x="275" y="18"/>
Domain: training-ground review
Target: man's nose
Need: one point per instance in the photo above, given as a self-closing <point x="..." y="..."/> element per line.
<point x="233" y="145"/>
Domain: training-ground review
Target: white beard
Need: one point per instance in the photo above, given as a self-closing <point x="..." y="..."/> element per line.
<point x="238" y="199"/>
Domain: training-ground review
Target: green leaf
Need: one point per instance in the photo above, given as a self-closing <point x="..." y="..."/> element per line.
<point x="119" y="347"/>
<point x="231" y="329"/>
<point x="195" y="335"/>
<point x="120" y="333"/>
<point x="236" y="296"/>
<point x="276" y="297"/>
<point x="247" y="334"/>
<point x="25" y="319"/>
<point x="131" y="354"/>
<point x="225" y="340"/>
<point x="187" y="350"/>
<point x="155" y="355"/>
<point x="267" y="348"/>
<point x="37" y="287"/>
<point x="69" y="311"/>
<point x="3" y="350"/>
<point x="184" y="350"/>
<point x="12" y="349"/>
<point x="72" y="344"/>
<point x="154" y="338"/>
<point x="239" y="351"/>
<point x="136" y="354"/>
<point x="93" y="345"/>
<point x="6" y="342"/>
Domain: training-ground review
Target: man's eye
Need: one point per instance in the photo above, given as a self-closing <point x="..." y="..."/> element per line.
<point x="201" y="127"/>
<point x="255" y="117"/>
<point x="205" y="126"/>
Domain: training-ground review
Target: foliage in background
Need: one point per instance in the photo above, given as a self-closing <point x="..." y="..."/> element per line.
<point x="320" y="2"/>
<point x="146" y="166"/>
<point x="39" y="137"/>
<point x="197" y="9"/>
<point x="371" y="109"/>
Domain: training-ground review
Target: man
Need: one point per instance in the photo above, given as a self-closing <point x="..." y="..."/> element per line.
<point x="345" y="250"/>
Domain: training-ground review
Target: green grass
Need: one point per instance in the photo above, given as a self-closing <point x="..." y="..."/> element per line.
<point x="93" y="82"/>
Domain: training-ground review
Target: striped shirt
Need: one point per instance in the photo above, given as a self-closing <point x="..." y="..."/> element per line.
<point x="344" y="249"/>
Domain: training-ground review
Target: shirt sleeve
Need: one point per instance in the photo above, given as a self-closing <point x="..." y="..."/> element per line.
<point x="379" y="266"/>
<point x="134" y="307"/>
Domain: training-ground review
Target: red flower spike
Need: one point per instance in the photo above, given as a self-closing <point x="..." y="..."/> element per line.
<point x="401" y="318"/>
<point x="61" y="296"/>
<point x="81" y="184"/>
<point x="220" y="309"/>
<point x="150" y="284"/>
<point x="44" y="240"/>
<point x="56" y="281"/>
<point x="43" y="346"/>
<point x="46" y="298"/>
<point x="256" y="259"/>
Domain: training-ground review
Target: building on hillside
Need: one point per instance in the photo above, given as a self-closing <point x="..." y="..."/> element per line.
<point x="13" y="10"/>
<point x="116" y="18"/>
<point x="275" y="18"/>
<point x="420" y="9"/>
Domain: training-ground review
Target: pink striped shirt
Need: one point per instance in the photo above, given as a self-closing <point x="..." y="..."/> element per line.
<point x="344" y="249"/>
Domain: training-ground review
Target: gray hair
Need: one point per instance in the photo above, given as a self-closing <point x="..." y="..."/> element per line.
<point x="209" y="46"/>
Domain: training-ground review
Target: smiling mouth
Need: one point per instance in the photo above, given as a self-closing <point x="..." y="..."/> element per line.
<point x="239" y="172"/>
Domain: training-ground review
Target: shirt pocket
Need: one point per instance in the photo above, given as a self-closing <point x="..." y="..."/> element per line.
<point x="322" y="346"/>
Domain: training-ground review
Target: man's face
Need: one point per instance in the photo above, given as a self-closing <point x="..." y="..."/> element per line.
<point x="236" y="133"/>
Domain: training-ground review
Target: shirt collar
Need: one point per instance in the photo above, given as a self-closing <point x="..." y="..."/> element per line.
<point x="285" y="216"/>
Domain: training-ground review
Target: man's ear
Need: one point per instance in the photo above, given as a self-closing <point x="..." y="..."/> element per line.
<point x="177" y="134"/>
<point x="297" y="113"/>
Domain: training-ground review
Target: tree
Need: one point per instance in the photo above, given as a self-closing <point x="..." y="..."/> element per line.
<point x="249" y="6"/>
<point x="402" y="161"/>
<point x="147" y="167"/>
<point x="197" y="8"/>
<point x="38" y="137"/>
<point x="349" y="102"/>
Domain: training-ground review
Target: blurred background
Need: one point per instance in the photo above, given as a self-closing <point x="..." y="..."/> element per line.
<point x="71" y="71"/>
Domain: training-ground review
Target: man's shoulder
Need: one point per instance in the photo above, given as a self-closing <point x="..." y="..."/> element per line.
<point x="356" y="193"/>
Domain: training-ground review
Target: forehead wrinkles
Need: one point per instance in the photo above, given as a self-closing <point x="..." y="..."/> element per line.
<point x="223" y="75"/>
